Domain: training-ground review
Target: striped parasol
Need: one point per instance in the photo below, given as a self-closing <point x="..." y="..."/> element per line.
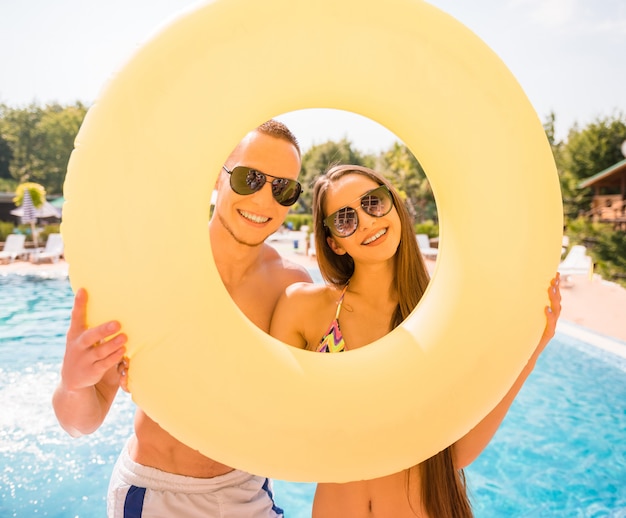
<point x="29" y="215"/>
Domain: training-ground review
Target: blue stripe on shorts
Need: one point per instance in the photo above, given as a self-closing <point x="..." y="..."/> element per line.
<point x="133" y="504"/>
<point x="275" y="508"/>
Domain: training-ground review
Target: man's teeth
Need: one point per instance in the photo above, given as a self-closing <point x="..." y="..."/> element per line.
<point x="253" y="217"/>
<point x="381" y="232"/>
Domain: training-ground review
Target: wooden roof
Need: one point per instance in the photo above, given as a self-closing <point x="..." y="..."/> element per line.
<point x="614" y="176"/>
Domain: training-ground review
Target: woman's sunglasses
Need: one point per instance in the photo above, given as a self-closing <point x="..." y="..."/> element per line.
<point x="344" y="222"/>
<point x="245" y="180"/>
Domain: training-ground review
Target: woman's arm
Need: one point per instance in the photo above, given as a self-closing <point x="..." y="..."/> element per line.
<point x="470" y="446"/>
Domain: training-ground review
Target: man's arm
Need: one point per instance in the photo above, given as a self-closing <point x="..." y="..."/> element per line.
<point x="89" y="374"/>
<point x="287" y="316"/>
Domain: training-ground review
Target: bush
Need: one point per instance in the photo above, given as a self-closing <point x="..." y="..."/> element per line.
<point x="6" y="228"/>
<point x="428" y="227"/>
<point x="47" y="230"/>
<point x="605" y="245"/>
<point x="24" y="229"/>
<point x="42" y="234"/>
<point x="297" y="220"/>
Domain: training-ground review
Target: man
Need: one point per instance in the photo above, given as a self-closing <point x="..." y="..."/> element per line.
<point x="157" y="474"/>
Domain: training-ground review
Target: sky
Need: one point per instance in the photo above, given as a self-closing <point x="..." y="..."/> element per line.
<point x="569" y="56"/>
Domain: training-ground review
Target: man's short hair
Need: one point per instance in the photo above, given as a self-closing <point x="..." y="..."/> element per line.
<point x="277" y="129"/>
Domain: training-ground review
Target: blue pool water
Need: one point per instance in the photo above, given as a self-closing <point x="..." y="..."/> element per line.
<point x="561" y="451"/>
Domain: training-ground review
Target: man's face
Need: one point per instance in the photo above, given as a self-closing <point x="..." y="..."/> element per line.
<point x="250" y="219"/>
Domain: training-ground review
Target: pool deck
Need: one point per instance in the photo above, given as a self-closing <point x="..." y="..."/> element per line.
<point x="593" y="310"/>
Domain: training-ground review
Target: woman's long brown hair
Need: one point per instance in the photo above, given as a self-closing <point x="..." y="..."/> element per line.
<point x="443" y="489"/>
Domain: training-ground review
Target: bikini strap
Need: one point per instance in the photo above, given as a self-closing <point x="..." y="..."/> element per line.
<point x="340" y="301"/>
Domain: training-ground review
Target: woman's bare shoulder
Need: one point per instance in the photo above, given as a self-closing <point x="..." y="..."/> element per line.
<point x="309" y="291"/>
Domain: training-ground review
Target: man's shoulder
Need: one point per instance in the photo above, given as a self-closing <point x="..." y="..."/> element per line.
<point x="299" y="272"/>
<point x="283" y="270"/>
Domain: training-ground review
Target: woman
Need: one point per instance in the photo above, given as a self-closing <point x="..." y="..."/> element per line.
<point x="368" y="254"/>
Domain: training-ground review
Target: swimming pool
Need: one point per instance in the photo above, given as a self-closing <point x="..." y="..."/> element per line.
<point x="561" y="451"/>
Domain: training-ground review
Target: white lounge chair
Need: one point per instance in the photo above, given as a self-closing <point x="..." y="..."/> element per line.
<point x="13" y="247"/>
<point x="423" y="242"/>
<point x="576" y="262"/>
<point x="52" y="251"/>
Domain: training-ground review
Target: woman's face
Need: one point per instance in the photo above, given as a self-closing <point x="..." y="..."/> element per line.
<point x="376" y="237"/>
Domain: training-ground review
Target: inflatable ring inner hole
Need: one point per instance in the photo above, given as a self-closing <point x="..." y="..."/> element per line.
<point x="421" y="205"/>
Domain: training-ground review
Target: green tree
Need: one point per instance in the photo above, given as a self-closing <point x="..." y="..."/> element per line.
<point x="40" y="141"/>
<point x="549" y="127"/>
<point x="56" y="132"/>
<point x="5" y="158"/>
<point x="319" y="158"/>
<point x="587" y="152"/>
<point x="402" y="168"/>
<point x="19" y="131"/>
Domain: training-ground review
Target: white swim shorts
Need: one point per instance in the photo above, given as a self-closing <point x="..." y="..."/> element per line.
<point x="138" y="491"/>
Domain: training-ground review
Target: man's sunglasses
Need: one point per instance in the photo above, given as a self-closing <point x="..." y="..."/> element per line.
<point x="245" y="180"/>
<point x="344" y="222"/>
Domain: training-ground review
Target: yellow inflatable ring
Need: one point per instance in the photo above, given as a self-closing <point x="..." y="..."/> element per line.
<point x="135" y="226"/>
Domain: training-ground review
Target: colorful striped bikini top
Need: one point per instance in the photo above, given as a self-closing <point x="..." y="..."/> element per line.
<point x="332" y="341"/>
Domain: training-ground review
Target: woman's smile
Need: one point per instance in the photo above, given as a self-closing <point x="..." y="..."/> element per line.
<point x="375" y="237"/>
